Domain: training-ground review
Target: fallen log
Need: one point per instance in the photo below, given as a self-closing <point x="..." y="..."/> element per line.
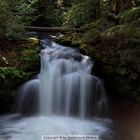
<point x="51" y="29"/>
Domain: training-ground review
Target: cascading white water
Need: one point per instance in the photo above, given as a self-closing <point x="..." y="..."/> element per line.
<point x="63" y="89"/>
<point x="64" y="86"/>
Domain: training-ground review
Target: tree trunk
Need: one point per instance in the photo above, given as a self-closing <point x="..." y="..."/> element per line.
<point x="110" y="5"/>
<point x="128" y="4"/>
<point x="51" y="29"/>
<point x="119" y="7"/>
<point x="97" y="14"/>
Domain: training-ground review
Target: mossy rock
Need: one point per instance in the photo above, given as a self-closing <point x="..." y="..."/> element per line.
<point x="98" y="25"/>
<point x="91" y="37"/>
<point x="126" y="29"/>
<point x="10" y="77"/>
<point x="121" y="29"/>
<point x="31" y="59"/>
<point x="34" y="41"/>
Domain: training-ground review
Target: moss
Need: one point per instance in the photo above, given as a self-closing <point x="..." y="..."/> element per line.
<point x="69" y="39"/>
<point x="31" y="59"/>
<point x="34" y="41"/>
<point x="129" y="15"/>
<point x="91" y="37"/>
<point x="124" y="29"/>
<point x="98" y="25"/>
<point x="11" y="77"/>
<point x="77" y="15"/>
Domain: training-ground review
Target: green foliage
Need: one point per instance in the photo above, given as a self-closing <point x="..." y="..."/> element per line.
<point x="127" y="30"/>
<point x="27" y="11"/>
<point x="122" y="29"/>
<point x="14" y="15"/>
<point x="49" y="13"/>
<point x="129" y="15"/>
<point x="91" y="37"/>
<point x="15" y="28"/>
<point x="10" y="24"/>
<point x="81" y="13"/>
<point x="10" y="77"/>
<point x="77" y="15"/>
<point x="130" y="57"/>
<point x="11" y="72"/>
<point x="20" y="61"/>
<point x="98" y="25"/>
<point x="31" y="59"/>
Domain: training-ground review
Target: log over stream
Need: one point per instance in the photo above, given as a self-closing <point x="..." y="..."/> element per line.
<point x="52" y="29"/>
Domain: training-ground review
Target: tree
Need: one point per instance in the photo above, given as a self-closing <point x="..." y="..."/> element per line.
<point x="27" y="11"/>
<point x="128" y="4"/>
<point x="49" y="13"/>
<point x="83" y="12"/>
<point x="11" y="25"/>
<point x="119" y="6"/>
<point x="98" y="8"/>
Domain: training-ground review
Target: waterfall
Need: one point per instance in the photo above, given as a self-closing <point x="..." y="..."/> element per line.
<point x="64" y="99"/>
<point x="64" y="86"/>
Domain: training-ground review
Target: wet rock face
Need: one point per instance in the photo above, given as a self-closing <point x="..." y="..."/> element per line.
<point x="6" y="102"/>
